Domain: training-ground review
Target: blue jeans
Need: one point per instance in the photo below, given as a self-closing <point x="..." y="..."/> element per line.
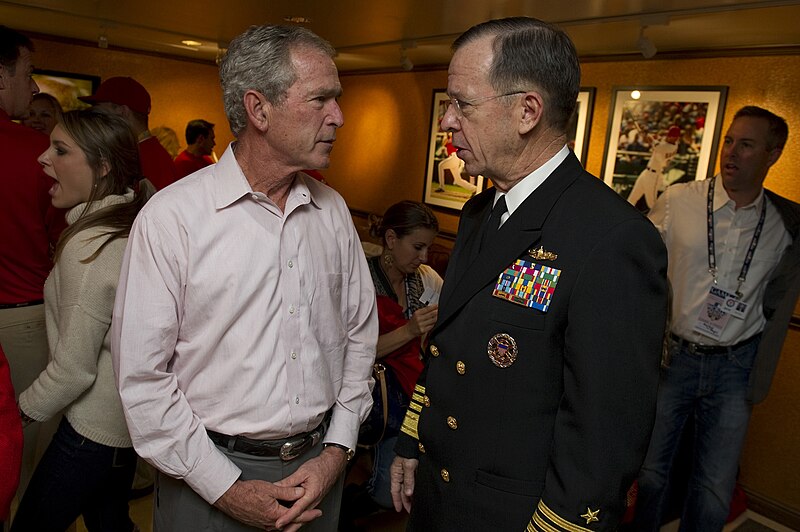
<point x="712" y="389"/>
<point x="78" y="476"/>
<point x="380" y="483"/>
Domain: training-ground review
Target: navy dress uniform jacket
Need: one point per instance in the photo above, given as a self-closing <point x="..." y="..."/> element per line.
<point x="554" y="441"/>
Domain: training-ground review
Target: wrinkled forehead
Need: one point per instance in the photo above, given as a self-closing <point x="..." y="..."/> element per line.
<point x="470" y="67"/>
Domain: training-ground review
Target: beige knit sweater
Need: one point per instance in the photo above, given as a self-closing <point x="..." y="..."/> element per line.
<point x="79" y="299"/>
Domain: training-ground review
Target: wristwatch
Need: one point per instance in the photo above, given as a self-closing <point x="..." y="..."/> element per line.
<point x="349" y="453"/>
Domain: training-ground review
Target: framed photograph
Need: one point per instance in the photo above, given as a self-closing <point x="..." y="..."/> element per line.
<point x="66" y="87"/>
<point x="581" y="123"/>
<point x="446" y="182"/>
<point x="659" y="136"/>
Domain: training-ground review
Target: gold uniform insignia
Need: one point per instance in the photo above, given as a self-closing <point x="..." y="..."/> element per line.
<point x="541" y="254"/>
<point x="502" y="350"/>
<point x="591" y="515"/>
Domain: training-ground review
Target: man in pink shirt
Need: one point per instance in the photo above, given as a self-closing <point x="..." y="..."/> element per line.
<point x="245" y="321"/>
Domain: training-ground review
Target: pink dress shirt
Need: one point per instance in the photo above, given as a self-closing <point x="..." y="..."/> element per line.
<point x="236" y="317"/>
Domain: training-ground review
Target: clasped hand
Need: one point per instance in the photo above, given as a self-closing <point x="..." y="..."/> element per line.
<point x="258" y="503"/>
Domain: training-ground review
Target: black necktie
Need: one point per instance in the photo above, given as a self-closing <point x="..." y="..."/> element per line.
<point x="490" y="228"/>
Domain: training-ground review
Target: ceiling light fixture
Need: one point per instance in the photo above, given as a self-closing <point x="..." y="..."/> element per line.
<point x="406" y="63"/>
<point x="645" y="44"/>
<point x="297" y="20"/>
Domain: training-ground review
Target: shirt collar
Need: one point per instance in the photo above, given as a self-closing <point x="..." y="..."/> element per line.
<point x="232" y="184"/>
<point x="721" y="198"/>
<point x="520" y="192"/>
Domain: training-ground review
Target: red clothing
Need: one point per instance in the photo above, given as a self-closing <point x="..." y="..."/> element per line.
<point x="157" y="165"/>
<point x="10" y="440"/>
<point x="405" y="361"/>
<point x="29" y="224"/>
<point x="187" y="163"/>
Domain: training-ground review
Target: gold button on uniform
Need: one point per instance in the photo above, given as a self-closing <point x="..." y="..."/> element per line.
<point x="461" y="368"/>
<point x="421" y="447"/>
<point x="434" y="351"/>
<point x="452" y="423"/>
<point x="426" y="400"/>
<point x="445" y="475"/>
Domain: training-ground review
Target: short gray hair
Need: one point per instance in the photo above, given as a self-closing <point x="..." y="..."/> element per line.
<point x="530" y="53"/>
<point x="260" y="59"/>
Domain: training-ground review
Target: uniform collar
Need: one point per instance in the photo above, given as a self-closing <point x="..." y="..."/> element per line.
<point x="520" y="192"/>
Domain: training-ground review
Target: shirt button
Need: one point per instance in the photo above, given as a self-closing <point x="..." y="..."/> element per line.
<point x="291" y="309"/>
<point x="294" y="355"/>
<point x="426" y="400"/>
<point x="452" y="423"/>
<point x="445" y="475"/>
<point x="434" y="351"/>
<point x="297" y="400"/>
<point x="291" y="264"/>
<point x="461" y="368"/>
<point x="421" y="447"/>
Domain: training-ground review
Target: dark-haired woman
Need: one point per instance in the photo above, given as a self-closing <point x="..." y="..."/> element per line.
<point x="407" y="293"/>
<point x="88" y="467"/>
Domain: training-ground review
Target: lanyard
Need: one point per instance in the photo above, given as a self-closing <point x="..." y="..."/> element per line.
<point x="712" y="261"/>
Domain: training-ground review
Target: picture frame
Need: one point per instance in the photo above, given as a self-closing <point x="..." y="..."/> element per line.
<point x="66" y="87"/>
<point x="659" y="136"/>
<point x="581" y="123"/>
<point x="446" y="183"/>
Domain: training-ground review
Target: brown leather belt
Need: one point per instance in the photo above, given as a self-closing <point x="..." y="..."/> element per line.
<point x="711" y="349"/>
<point x="23" y="304"/>
<point x="287" y="449"/>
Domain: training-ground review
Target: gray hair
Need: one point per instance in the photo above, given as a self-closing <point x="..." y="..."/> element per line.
<point x="260" y="59"/>
<point x="530" y="53"/>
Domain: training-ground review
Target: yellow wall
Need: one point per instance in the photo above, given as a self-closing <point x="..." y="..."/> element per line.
<point x="180" y="90"/>
<point x="380" y="158"/>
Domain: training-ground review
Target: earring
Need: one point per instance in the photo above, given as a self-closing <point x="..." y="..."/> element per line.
<point x="388" y="259"/>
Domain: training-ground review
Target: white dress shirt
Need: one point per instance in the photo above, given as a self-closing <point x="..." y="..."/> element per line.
<point x="680" y="216"/>
<point x="236" y="317"/>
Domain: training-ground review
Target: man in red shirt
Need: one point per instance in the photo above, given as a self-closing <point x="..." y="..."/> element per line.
<point x="30" y="226"/>
<point x="200" y="145"/>
<point x="128" y="98"/>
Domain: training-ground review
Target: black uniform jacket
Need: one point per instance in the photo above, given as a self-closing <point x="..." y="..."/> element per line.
<point x="553" y="441"/>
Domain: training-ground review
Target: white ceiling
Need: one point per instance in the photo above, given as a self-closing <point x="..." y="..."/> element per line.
<point x="369" y="34"/>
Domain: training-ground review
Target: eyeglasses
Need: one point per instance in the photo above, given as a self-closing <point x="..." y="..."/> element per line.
<point x="460" y="105"/>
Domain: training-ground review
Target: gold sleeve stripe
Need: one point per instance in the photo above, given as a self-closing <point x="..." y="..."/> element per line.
<point x="418" y="398"/>
<point x="560" y="523"/>
<point x="538" y="524"/>
<point x="420" y="389"/>
<point x="416" y="407"/>
<point x="410" y="424"/>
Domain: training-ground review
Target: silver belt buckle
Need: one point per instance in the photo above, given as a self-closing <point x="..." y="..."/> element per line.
<point x="287" y="452"/>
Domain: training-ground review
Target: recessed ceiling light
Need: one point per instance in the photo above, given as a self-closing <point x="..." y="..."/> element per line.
<point x="297" y="20"/>
<point x="189" y="42"/>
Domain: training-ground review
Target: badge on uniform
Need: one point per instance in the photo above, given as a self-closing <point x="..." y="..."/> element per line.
<point x="502" y="350"/>
<point x="528" y="284"/>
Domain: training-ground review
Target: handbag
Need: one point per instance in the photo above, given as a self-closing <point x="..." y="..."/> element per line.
<point x="389" y="405"/>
